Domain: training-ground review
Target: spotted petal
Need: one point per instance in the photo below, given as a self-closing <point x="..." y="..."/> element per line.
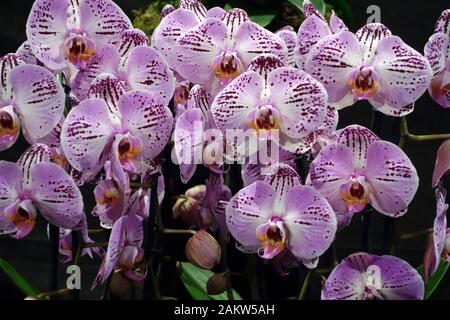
<point x="392" y="177"/>
<point x="86" y="135"/>
<point x="39" y="99"/>
<point x="443" y="23"/>
<point x="56" y="196"/>
<point x="290" y="39"/>
<point x="233" y="19"/>
<point x="300" y="99"/>
<point x="147" y="70"/>
<point x="405" y="75"/>
<point x="310" y="221"/>
<point x="146" y="117"/>
<point x="7" y="64"/>
<point x="108" y="88"/>
<point x="129" y="40"/>
<point x="369" y="36"/>
<point x="436" y="51"/>
<point x="336" y="23"/>
<point x="10" y="187"/>
<point x="442" y="164"/>
<point x="248" y="209"/>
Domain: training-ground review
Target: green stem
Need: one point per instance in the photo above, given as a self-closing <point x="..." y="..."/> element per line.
<point x="223" y="244"/>
<point x="305" y="286"/>
<point x="138" y="185"/>
<point x="178" y="231"/>
<point x="412" y="235"/>
<point x="413" y="137"/>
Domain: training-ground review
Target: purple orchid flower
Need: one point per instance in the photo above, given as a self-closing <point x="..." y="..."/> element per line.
<point x="279" y="214"/>
<point x="63" y="31"/>
<point x="439" y="242"/>
<point x="359" y="169"/>
<point x="28" y="188"/>
<point x="140" y="68"/>
<point x="175" y="23"/>
<point x="30" y="97"/>
<point x="138" y="130"/>
<point x="314" y="28"/>
<point x="362" y="276"/>
<point x="442" y="165"/>
<point x="288" y="35"/>
<point x="271" y="99"/>
<point x="370" y="65"/>
<point x="124" y="249"/>
<point x="437" y="51"/>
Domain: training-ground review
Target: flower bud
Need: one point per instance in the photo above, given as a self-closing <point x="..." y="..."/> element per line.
<point x="119" y="285"/>
<point x="202" y="250"/>
<point x="188" y="207"/>
<point x="217" y="284"/>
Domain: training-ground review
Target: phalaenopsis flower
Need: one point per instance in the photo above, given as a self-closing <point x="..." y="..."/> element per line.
<point x="31" y="187"/>
<point x="439" y="242"/>
<point x="217" y="50"/>
<point x="277" y="103"/>
<point x="135" y="132"/>
<point x="437" y="51"/>
<point x="30" y="97"/>
<point x="279" y="214"/>
<point x="442" y="165"/>
<point x="359" y="169"/>
<point x="370" y="65"/>
<point x="63" y="31"/>
<point x="362" y="276"/>
<point x="124" y="249"/>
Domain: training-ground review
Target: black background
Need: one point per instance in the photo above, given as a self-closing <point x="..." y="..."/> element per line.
<point x="413" y="21"/>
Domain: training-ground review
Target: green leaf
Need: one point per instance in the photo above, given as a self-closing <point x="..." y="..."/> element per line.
<point x="18" y="280"/>
<point x="435" y="279"/>
<point x="319" y="4"/>
<point x="263" y="19"/>
<point x="194" y="279"/>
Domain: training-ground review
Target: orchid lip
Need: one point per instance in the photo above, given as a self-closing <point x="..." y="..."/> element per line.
<point x="364" y="82"/>
<point x="264" y="118"/>
<point x="272" y="236"/>
<point x="79" y="50"/>
<point x="354" y="193"/>
<point x="227" y="66"/>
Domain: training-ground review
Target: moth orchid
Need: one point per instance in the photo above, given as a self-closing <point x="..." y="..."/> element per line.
<point x="124" y="249"/>
<point x="359" y="169"/>
<point x="362" y="276"/>
<point x="277" y="103"/>
<point x="137" y="131"/>
<point x="314" y="28"/>
<point x="437" y="51"/>
<point x="30" y="97"/>
<point x="279" y="214"/>
<point x="64" y="32"/>
<point x="439" y="242"/>
<point x="218" y="50"/>
<point x="370" y="65"/>
<point x="442" y="164"/>
<point x="32" y="188"/>
<point x="288" y="35"/>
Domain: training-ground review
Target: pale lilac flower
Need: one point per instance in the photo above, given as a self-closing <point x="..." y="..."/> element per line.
<point x="314" y="28"/>
<point x="218" y="50"/>
<point x="290" y="39"/>
<point x="124" y="249"/>
<point x="362" y="276"/>
<point x="271" y="99"/>
<point x="439" y="243"/>
<point x="370" y="65"/>
<point x="442" y="164"/>
<point x="359" y="169"/>
<point x="437" y="51"/>
<point x="32" y="187"/>
<point x="280" y="214"/>
<point x="63" y="31"/>
<point x="142" y="69"/>
<point x="136" y="131"/>
<point x="30" y="97"/>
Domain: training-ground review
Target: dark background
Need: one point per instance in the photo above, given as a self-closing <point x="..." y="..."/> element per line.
<point x="413" y="21"/>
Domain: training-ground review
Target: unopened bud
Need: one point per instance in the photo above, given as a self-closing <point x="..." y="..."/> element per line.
<point x="202" y="250"/>
<point x="188" y="206"/>
<point x="217" y="284"/>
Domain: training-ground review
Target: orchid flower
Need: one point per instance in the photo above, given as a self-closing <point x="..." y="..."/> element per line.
<point x="288" y="35"/>
<point x="362" y="276"/>
<point x="140" y="68"/>
<point x="279" y="214"/>
<point x="30" y="97"/>
<point x="359" y="169"/>
<point x="314" y="28"/>
<point x="124" y="249"/>
<point x="442" y="164"/>
<point x="437" y="51"/>
<point x="63" y="31"/>
<point x="271" y="100"/>
<point x="175" y="22"/>
<point x="218" y="50"/>
<point x="370" y="65"/>
<point x="136" y="131"/>
<point x="29" y="188"/>
<point x="439" y="242"/>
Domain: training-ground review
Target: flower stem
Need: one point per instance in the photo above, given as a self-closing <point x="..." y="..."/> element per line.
<point x="252" y="277"/>
<point x="54" y="252"/>
<point x="223" y="244"/>
<point x="412" y="235"/>
<point x="179" y="231"/>
<point x="305" y="286"/>
<point x="413" y="137"/>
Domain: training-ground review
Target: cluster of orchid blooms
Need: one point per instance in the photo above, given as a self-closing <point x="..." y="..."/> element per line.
<point x="99" y="103"/>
